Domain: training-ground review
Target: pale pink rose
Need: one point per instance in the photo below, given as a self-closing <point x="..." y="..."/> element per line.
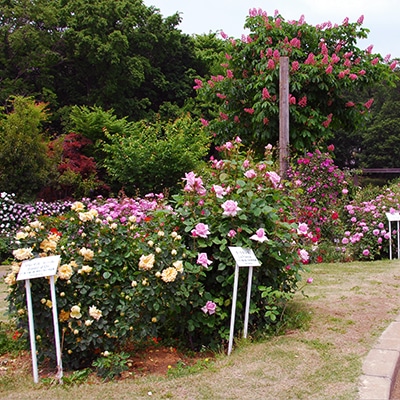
<point x="250" y="174"/>
<point x="230" y="208"/>
<point x="302" y="229"/>
<point x="274" y="178"/>
<point x="259" y="236"/>
<point x="220" y="192"/>
<point x="209" y="308"/>
<point x="203" y="260"/>
<point x="304" y="255"/>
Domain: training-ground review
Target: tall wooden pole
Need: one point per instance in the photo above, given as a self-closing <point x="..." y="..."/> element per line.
<point x="283" y="116"/>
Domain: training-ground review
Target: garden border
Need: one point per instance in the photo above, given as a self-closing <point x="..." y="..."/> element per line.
<point x="381" y="365"/>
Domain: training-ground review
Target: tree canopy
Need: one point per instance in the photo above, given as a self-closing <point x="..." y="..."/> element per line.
<point x="113" y="54"/>
<point x="326" y="69"/>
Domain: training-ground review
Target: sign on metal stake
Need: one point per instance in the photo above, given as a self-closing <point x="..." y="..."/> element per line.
<point x="243" y="258"/>
<point x="393" y="217"/>
<point x="40" y="268"/>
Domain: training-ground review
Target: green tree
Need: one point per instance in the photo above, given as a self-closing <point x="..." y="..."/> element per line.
<point x="326" y="68"/>
<point x="380" y="143"/>
<point x="30" y="47"/>
<point x="117" y="55"/>
<point x="24" y="164"/>
<point x="154" y="157"/>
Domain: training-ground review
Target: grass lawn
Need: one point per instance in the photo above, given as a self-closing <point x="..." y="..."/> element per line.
<point x="349" y="305"/>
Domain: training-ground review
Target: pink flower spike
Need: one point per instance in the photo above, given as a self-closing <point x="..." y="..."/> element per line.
<point x="310" y="280"/>
<point x="259" y="236"/>
<point x="230" y="208"/>
<point x="203" y="260"/>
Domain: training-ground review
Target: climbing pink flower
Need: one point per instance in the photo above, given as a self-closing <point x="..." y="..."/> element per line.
<point x="368" y="104"/>
<point x="220" y="192"/>
<point x="295" y="65"/>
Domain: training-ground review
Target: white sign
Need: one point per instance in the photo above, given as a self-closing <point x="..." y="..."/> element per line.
<point x="244" y="257"/>
<point x="38" y="267"/>
<point x="393" y="216"/>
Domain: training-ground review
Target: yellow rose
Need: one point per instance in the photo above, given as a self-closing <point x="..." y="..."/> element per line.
<point x="63" y="316"/>
<point x="65" y="271"/>
<point x="36" y="225"/>
<point x="75" y="312"/>
<point x="94" y="212"/>
<point x="10" y="279"/>
<point x="178" y="265"/>
<point x="86" y="253"/>
<point x="85" y="216"/>
<point x="169" y="274"/>
<point x="23" y="254"/>
<point x="146" y="262"/>
<point x="77" y="206"/>
<point x="21" y="235"/>
<point x="95" y="313"/>
<point x="85" y="269"/>
<point x="48" y="245"/>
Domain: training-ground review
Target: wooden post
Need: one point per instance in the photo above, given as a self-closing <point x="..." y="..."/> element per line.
<point x="283" y="116"/>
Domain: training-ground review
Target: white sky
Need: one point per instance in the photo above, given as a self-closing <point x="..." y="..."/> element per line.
<point x="381" y="17"/>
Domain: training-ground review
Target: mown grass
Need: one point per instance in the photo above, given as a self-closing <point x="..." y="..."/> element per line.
<point x="319" y="356"/>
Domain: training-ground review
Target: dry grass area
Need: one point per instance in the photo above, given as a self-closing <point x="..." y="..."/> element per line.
<point x="350" y="305"/>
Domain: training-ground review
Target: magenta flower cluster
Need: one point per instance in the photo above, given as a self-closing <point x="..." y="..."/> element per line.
<point x="367" y="236"/>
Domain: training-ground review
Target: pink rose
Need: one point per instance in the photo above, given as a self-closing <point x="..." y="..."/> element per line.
<point x="274" y="178"/>
<point x="259" y="236"/>
<point x="209" y="308"/>
<point x="302" y="229"/>
<point x="250" y="174"/>
<point x="201" y="230"/>
<point x="230" y="208"/>
<point x="203" y="260"/>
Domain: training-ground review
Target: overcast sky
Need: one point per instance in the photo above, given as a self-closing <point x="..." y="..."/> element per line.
<point x="203" y="16"/>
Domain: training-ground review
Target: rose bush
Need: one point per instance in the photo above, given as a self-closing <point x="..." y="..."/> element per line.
<point x="240" y="202"/>
<point x="131" y="269"/>
<point x="117" y="282"/>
